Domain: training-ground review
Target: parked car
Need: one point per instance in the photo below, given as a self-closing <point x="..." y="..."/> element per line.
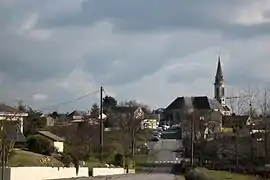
<point x="157" y="135"/>
<point x="159" y="129"/>
<point x="157" y="132"/>
<point x="154" y="138"/>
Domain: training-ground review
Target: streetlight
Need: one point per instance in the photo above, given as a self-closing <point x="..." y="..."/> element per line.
<point x="191" y="112"/>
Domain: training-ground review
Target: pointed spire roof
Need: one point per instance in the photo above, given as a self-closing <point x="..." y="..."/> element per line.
<point x="219" y="74"/>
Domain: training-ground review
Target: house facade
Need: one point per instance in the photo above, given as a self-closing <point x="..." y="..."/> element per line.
<point x="56" y="141"/>
<point x="149" y="124"/>
<point x="114" y="114"/>
<point x="8" y="113"/>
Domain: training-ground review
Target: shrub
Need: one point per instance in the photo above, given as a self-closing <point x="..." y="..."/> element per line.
<point x="39" y="144"/>
<point x="66" y="159"/>
<point x="195" y="174"/>
<point x="118" y="160"/>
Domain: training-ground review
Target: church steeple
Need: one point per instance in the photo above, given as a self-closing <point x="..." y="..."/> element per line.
<point x="219" y="74"/>
<point x="219" y="84"/>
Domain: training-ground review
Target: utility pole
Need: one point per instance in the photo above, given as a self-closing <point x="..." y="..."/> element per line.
<point x="250" y="132"/>
<point x="3" y="160"/>
<point x="236" y="142"/>
<point x="265" y="119"/>
<point x="101" y="123"/>
<point x="192" y="139"/>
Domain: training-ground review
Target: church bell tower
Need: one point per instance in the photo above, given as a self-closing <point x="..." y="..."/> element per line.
<point x="219" y="85"/>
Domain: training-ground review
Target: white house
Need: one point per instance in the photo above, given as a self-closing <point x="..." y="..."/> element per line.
<point x="149" y="124"/>
<point x="11" y="114"/>
<point x="57" y="141"/>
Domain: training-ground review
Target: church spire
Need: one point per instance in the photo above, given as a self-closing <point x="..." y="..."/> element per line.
<point x="219" y="74"/>
<point x="219" y="84"/>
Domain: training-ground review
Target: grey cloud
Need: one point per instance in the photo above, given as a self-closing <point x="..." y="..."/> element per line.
<point x="155" y="15"/>
<point x="248" y="67"/>
<point x="104" y="69"/>
<point x="241" y="77"/>
<point x="266" y="14"/>
<point x="182" y="75"/>
<point x="21" y="60"/>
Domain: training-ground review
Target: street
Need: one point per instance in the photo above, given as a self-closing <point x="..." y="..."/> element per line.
<point x="151" y="176"/>
<point x="160" y="169"/>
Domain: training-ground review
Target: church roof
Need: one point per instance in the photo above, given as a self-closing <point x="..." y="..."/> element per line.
<point x="197" y="102"/>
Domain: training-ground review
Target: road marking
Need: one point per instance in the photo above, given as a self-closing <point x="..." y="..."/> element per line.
<point x="167" y="162"/>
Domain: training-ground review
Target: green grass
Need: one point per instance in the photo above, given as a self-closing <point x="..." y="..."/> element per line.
<point x="224" y="175"/>
<point x="26" y="158"/>
<point x="93" y="162"/>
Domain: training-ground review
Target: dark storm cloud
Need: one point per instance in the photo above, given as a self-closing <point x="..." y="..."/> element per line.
<point x="21" y="59"/>
<point x="24" y="59"/>
<point x="155" y="15"/>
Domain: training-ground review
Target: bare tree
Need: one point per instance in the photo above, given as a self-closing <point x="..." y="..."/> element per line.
<point x="10" y="132"/>
<point x="263" y="100"/>
<point x="263" y="103"/>
<point x="239" y="99"/>
<point x="129" y="124"/>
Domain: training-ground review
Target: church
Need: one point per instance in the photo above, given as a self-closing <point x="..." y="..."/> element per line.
<point x="203" y="107"/>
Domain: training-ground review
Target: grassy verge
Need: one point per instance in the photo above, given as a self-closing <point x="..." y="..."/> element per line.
<point x="179" y="177"/>
<point x="224" y="175"/>
<point x="93" y="162"/>
<point x="26" y="158"/>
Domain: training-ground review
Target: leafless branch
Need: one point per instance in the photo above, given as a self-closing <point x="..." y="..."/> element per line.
<point x="240" y="99"/>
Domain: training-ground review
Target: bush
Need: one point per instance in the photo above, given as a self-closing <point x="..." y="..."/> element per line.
<point x="195" y="174"/>
<point x="118" y="160"/>
<point x="66" y="159"/>
<point x="40" y="145"/>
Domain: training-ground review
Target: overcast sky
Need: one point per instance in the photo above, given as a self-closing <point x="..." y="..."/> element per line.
<point x="151" y="51"/>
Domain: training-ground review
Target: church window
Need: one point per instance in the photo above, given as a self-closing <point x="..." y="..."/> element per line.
<point x="222" y="91"/>
<point x="217" y="91"/>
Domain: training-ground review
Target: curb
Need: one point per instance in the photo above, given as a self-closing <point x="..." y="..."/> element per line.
<point x="113" y="176"/>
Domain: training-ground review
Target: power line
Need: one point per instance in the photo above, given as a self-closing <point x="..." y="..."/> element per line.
<point x="105" y="92"/>
<point x="70" y="101"/>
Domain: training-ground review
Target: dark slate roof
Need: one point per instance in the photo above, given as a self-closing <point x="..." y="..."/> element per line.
<point x="197" y="102"/>
<point x="8" y="109"/>
<point x="51" y="136"/>
<point x="78" y="113"/>
<point x="201" y="102"/>
<point x="178" y="103"/>
<point x="125" y="109"/>
<point x="14" y="133"/>
<point x="150" y="116"/>
<point x="230" y="120"/>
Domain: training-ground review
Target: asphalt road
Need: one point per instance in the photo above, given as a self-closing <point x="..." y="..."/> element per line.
<point x="154" y="176"/>
<point x="161" y="170"/>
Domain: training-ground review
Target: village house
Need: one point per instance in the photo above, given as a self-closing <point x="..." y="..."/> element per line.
<point x="150" y="121"/>
<point x="115" y="113"/>
<point x="57" y="142"/>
